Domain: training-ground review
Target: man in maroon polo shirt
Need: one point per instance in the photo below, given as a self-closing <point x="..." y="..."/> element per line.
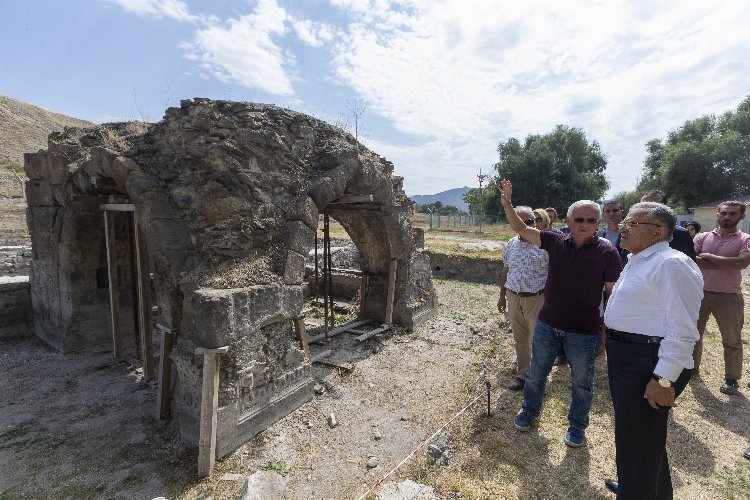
<point x="580" y="266"/>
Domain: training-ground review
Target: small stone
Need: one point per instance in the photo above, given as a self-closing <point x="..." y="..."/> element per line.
<point x="332" y="422"/>
<point x="328" y="385"/>
<point x="231" y="476"/>
<point x="370" y="385"/>
<point x="434" y="451"/>
<point x="404" y="418"/>
<point x="319" y="389"/>
<point x="372" y="462"/>
<point x="377" y="435"/>
<point x="442" y="461"/>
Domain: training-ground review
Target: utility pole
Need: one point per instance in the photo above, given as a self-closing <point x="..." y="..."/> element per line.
<point x="481" y="178"/>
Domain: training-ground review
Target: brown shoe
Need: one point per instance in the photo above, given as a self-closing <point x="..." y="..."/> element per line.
<point x="516" y="384"/>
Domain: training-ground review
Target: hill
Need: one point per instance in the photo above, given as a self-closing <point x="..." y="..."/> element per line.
<point x="451" y="197"/>
<point x="24" y="128"/>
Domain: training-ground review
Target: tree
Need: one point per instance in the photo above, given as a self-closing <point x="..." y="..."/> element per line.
<point x="706" y="159"/>
<point x="553" y="170"/>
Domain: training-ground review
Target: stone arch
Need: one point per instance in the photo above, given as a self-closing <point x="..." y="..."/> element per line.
<point x="228" y="196"/>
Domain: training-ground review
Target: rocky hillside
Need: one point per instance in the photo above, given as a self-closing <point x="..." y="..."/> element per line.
<point x="25" y="127"/>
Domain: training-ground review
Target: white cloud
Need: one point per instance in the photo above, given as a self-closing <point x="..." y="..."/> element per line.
<point x="174" y="9"/>
<point x="314" y="34"/>
<point x="459" y="74"/>
<point x="244" y="51"/>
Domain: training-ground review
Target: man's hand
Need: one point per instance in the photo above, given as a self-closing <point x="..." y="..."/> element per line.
<point x="505" y="188"/>
<point x="501" y="304"/>
<point x="658" y="396"/>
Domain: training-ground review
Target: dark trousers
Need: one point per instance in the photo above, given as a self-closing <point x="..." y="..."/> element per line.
<point x="640" y="431"/>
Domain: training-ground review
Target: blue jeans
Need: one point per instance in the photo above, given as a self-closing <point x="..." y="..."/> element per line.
<point x="580" y="350"/>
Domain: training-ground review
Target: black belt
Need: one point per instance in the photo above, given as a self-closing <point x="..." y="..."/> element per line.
<point x="527" y="294"/>
<point x="634" y="338"/>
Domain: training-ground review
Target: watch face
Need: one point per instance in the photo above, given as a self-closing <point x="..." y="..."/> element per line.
<point x="664" y="382"/>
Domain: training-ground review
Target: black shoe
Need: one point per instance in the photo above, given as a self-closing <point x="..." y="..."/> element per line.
<point x="747" y="454"/>
<point x="611" y="485"/>
<point x="516" y="384"/>
<point x="729" y="386"/>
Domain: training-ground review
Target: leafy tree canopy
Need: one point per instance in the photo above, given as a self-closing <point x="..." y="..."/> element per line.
<point x="553" y="170"/>
<point x="706" y="159"/>
<point x="438" y="208"/>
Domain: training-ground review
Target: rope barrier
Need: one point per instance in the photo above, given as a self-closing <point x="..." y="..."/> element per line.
<point x="424" y="443"/>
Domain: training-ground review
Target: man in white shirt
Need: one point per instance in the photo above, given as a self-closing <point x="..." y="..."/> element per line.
<point x="651" y="323"/>
<point x="523" y="277"/>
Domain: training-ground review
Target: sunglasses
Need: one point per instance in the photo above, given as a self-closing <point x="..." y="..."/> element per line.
<point x="581" y="220"/>
<point x="529" y="222"/>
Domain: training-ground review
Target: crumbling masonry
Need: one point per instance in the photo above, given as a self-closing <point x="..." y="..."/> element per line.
<point x="224" y="200"/>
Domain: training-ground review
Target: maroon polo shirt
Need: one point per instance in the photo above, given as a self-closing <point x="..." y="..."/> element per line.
<point x="575" y="281"/>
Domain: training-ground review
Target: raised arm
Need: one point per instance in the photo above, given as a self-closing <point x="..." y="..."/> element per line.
<point x="528" y="233"/>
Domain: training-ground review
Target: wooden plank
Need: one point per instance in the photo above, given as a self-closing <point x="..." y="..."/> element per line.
<point x="316" y="358"/>
<point x="118" y="207"/>
<point x="104" y="183"/>
<point x="346" y="368"/>
<point x="165" y="373"/>
<point x="299" y="332"/>
<point x="374" y="332"/>
<point x="209" y="406"/>
<point x="336" y="331"/>
<point x="144" y="304"/>
<point x="114" y="285"/>
<point x="391" y="292"/>
<point x="363" y="295"/>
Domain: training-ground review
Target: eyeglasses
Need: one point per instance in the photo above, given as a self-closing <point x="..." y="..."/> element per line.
<point x="529" y="222"/>
<point x="581" y="220"/>
<point x="537" y="219"/>
<point x="627" y="224"/>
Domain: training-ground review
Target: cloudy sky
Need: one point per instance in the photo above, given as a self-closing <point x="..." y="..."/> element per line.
<point x="439" y="83"/>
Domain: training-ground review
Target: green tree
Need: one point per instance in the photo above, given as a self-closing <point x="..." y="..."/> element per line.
<point x="553" y="170"/>
<point x="706" y="159"/>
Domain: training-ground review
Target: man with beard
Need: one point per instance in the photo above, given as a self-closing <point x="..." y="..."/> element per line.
<point x="722" y="254"/>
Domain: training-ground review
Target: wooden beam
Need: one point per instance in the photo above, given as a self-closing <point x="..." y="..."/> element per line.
<point x="114" y="286"/>
<point x="364" y="282"/>
<point x="391" y="293"/>
<point x="299" y="332"/>
<point x="105" y="184"/>
<point x="165" y="373"/>
<point x="336" y="331"/>
<point x="316" y="358"/>
<point x="144" y="303"/>
<point x="118" y="207"/>
<point x="209" y="408"/>
<point x="374" y="332"/>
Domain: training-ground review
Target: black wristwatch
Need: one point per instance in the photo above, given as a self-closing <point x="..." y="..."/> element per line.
<point x="662" y="381"/>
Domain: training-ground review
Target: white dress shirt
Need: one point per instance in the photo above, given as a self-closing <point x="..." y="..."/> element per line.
<point x="659" y="294"/>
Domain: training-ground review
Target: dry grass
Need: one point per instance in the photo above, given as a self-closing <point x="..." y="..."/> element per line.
<point x="708" y="433"/>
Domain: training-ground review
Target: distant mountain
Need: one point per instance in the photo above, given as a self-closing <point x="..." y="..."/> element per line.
<point x="453" y="197"/>
<point x="24" y="128"/>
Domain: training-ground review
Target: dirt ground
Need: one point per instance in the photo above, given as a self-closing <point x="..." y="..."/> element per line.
<point x="80" y="426"/>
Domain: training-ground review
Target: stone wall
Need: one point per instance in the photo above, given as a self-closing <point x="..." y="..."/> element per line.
<point x="16" y="318"/>
<point x="15" y="260"/>
<point x="227" y="197"/>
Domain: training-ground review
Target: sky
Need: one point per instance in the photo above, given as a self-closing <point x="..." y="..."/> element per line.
<point x="436" y="84"/>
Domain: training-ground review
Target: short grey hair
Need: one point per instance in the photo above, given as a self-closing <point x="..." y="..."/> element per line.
<point x="585" y="203"/>
<point x="523" y="208"/>
<point x="660" y="213"/>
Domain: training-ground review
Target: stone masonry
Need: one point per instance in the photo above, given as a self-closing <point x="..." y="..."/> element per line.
<point x="228" y="197"/>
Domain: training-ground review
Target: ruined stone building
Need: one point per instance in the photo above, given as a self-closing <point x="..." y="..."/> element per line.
<point x="220" y="201"/>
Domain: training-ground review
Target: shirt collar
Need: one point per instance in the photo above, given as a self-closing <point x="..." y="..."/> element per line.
<point x="648" y="251"/>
